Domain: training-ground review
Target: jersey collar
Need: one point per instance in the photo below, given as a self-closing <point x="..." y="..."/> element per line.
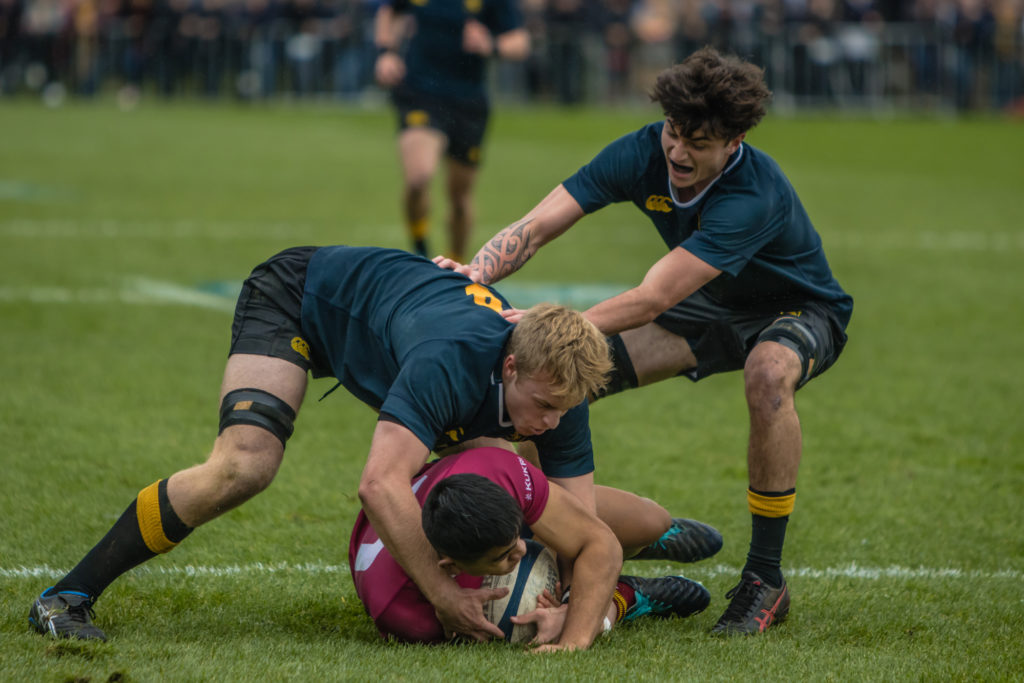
<point x="686" y="205"/>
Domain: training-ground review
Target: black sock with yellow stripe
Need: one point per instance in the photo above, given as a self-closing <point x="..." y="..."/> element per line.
<point x="770" y="512"/>
<point x="148" y="527"/>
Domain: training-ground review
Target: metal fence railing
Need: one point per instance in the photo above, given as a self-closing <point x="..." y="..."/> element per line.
<point x="255" y="49"/>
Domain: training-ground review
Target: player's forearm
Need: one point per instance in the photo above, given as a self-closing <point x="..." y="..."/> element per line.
<point x="514" y="45"/>
<point x="595" y="572"/>
<point x="505" y="253"/>
<point x="633" y="308"/>
<point x="395" y="517"/>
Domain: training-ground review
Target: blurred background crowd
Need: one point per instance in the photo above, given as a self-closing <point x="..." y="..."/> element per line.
<point x="948" y="54"/>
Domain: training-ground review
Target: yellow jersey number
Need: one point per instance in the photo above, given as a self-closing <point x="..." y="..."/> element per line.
<point x="483" y="297"/>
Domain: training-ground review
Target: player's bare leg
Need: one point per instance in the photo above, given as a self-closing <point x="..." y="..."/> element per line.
<point x="656" y="353"/>
<point x="761" y="598"/>
<point x="461" y="181"/>
<point x="244" y="460"/>
<point x="770" y="377"/>
<point x="420" y="152"/>
<point x="636" y="521"/>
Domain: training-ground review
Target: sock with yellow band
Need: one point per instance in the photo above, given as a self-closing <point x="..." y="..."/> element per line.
<point x="148" y="526"/>
<point x="622" y="603"/>
<point x="770" y="512"/>
<point x="418" y="230"/>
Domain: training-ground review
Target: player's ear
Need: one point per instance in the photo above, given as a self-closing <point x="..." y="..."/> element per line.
<point x="734" y="144"/>
<point x="509" y="366"/>
<point x="449" y="565"/>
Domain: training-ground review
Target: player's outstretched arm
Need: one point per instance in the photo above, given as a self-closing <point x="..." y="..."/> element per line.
<point x="506" y="252"/>
<point x="576" y="534"/>
<point x="388" y="31"/>
<point x="513" y="45"/>
<point x="671" y="279"/>
<point x="396" y="455"/>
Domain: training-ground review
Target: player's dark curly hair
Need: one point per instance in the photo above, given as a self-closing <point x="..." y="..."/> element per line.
<point x="722" y="94"/>
<point x="466" y="515"/>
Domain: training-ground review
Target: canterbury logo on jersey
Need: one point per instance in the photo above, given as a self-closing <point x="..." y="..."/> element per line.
<point x="657" y="202"/>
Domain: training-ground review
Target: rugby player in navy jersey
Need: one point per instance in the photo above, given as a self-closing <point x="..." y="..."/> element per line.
<point x="745" y="284"/>
<point x="429" y="350"/>
<point x="438" y="86"/>
<point x="478" y="505"/>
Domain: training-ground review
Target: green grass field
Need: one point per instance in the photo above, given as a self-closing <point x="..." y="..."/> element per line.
<point x="121" y="232"/>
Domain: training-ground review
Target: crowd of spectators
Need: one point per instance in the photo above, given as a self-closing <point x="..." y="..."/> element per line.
<point x="965" y="54"/>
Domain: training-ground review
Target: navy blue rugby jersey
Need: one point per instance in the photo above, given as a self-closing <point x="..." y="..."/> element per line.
<point x="424" y="346"/>
<point x="749" y="223"/>
<point x="435" y="61"/>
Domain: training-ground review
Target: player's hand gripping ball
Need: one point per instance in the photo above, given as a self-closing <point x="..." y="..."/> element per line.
<point x="535" y="573"/>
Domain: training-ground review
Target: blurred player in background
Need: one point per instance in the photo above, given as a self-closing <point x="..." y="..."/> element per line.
<point x="745" y="284"/>
<point x="438" y="85"/>
<point x="475" y="504"/>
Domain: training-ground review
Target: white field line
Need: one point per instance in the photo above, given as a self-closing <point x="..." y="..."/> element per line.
<point x="185" y="229"/>
<point x="850" y="571"/>
<point x="136" y="291"/>
<point x="146" y="291"/>
<point x="296" y="233"/>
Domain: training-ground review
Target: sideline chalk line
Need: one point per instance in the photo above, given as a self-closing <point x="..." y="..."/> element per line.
<point x="221" y="296"/>
<point x="99" y="228"/>
<point x="848" y="571"/>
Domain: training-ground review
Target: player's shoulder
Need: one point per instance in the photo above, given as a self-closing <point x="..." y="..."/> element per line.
<point x="643" y="140"/>
<point x="755" y="171"/>
<point x="632" y="154"/>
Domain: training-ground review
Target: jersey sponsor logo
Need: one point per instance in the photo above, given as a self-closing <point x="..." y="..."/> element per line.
<point x="657" y="202"/>
<point x="417" y="117"/>
<point x="301" y="347"/>
<point x="473" y="6"/>
<point x="527" y="480"/>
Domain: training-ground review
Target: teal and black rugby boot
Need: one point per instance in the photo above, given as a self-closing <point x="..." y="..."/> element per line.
<point x="755" y="606"/>
<point x="665" y="596"/>
<point x="65" y="615"/>
<point x="687" y="540"/>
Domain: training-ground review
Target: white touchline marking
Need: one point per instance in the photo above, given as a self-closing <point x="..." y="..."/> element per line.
<point x="135" y="291"/>
<point x="172" y="293"/>
<point x="100" y="228"/>
<point x="850" y="571"/>
<point x="155" y="229"/>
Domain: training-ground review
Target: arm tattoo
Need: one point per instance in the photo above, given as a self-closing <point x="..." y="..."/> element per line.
<point x="505" y="253"/>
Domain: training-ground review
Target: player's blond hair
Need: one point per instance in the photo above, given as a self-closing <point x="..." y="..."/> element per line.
<point x="568" y="348"/>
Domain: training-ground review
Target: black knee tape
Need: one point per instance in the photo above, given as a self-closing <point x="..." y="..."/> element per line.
<point x="623" y="375"/>
<point x="793" y="334"/>
<point x="259" y="408"/>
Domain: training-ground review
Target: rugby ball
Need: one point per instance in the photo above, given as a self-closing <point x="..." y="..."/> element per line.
<point x="537" y="571"/>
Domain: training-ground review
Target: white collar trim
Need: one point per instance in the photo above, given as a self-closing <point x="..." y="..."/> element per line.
<point x="686" y="205"/>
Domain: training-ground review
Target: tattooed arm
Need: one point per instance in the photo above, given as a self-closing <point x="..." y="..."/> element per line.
<point x="506" y="252"/>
